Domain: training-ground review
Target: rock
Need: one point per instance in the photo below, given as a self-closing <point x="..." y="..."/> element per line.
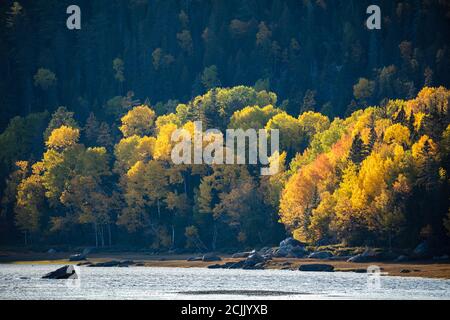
<point x="422" y="250"/>
<point x="112" y="263"/>
<point x="195" y="258"/>
<point x="297" y="252"/>
<point x="286" y="263"/>
<point x="126" y="263"/>
<point x="401" y="258"/>
<point x="86" y="263"/>
<point x="290" y="247"/>
<point x="405" y="271"/>
<point x="77" y="257"/>
<point x="351" y="270"/>
<point x="241" y="255"/>
<point x="320" y="255"/>
<point x="445" y="257"/>
<point x="316" y="267"/>
<point x="237" y="265"/>
<point x="357" y="258"/>
<point x="215" y="266"/>
<point x="139" y="264"/>
<point x="211" y="257"/>
<point x="367" y="256"/>
<point x="66" y="272"/>
<point x="259" y="266"/>
<point x="267" y="257"/>
<point x="252" y="260"/>
<point x="51" y="251"/>
<point x="266" y="251"/>
<point x="290" y="242"/>
<point x="339" y="258"/>
<point x="281" y="253"/>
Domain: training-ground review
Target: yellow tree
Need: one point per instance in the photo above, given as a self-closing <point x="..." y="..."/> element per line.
<point x="138" y="121"/>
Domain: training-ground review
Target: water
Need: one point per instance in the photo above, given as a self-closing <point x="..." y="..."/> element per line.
<point x="24" y="282"/>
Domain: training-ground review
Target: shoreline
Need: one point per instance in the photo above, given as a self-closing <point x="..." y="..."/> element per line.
<point x="422" y="269"/>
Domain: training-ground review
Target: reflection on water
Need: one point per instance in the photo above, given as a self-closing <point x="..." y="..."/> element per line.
<point x="24" y="282"/>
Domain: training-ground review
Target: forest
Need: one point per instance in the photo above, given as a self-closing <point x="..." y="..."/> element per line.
<point x="87" y="118"/>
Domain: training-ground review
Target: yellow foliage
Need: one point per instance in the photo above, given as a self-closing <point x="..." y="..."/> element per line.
<point x="63" y="138"/>
<point x="138" y="121"/>
<point x="397" y="133"/>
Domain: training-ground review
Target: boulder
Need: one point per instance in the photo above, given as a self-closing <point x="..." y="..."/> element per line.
<point x="77" y="257"/>
<point x="290" y="247"/>
<point x="240" y="255"/>
<point x="112" y="263"/>
<point x="297" y="252"/>
<point x="316" y="267"/>
<point x="211" y="257"/>
<point x="199" y="258"/>
<point x="253" y="259"/>
<point x="66" y="272"/>
<point x="215" y="266"/>
<point x="290" y="242"/>
<point x="422" y="249"/>
<point x="367" y="256"/>
<point x="320" y="255"/>
<point x="237" y="265"/>
<point x="259" y="266"/>
<point x="405" y="271"/>
<point x="281" y="252"/>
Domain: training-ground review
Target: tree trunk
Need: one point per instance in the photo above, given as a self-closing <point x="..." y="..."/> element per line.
<point x="109" y="234"/>
<point x="214" y="240"/>
<point x="96" y="235"/>
<point x="159" y="209"/>
<point x="173" y="236"/>
<point x="102" y="234"/>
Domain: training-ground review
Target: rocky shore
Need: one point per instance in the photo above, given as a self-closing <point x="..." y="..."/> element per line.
<point x="289" y="255"/>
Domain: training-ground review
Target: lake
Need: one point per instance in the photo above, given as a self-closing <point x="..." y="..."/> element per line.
<point x="24" y="282"/>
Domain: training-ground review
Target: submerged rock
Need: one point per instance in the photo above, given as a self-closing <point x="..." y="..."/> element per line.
<point x="316" y="267"/>
<point x="113" y="263"/>
<point x="66" y="272"/>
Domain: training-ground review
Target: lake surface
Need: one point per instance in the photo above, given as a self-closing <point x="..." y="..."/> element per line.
<point x="24" y="282"/>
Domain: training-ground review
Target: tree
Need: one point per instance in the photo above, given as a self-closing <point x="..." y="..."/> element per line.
<point x="30" y="206"/>
<point x="357" y="150"/>
<point x="210" y="78"/>
<point x="61" y="117"/>
<point x="138" y="121"/>
<point x="63" y="138"/>
<point x="309" y="101"/>
<point x="363" y="90"/>
<point x="45" y="79"/>
<point x="291" y="133"/>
